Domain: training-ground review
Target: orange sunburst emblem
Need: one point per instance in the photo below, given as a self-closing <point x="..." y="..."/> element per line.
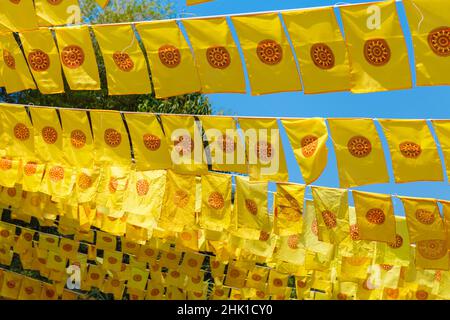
<point x="392" y="293"/>
<point x="151" y="142"/>
<point x="142" y="187"/>
<point x="269" y="52"/>
<point x="5" y="163"/>
<point x="397" y="243"/>
<point x="112" y="137"/>
<point x="309" y="145"/>
<point x="341" y="296"/>
<point x="264" y="151"/>
<point x="251" y="206"/>
<point x="425" y="216"/>
<point x="322" y="56"/>
<point x="54" y="2"/>
<point x="49" y="135"/>
<point x="315" y="227"/>
<point x="359" y="146"/>
<point x="421" y="295"/>
<point x="410" y="149"/>
<point x="375" y="216"/>
<point x="72" y="57"/>
<point x="11" y="192"/>
<point x="386" y="267"/>
<point x="234" y="273"/>
<point x="277" y="282"/>
<point x="192" y="263"/>
<point x="432" y="249"/>
<point x="216" y="200"/>
<point x="329" y="218"/>
<point x="9" y="60"/>
<point x="169" y="56"/>
<point x="439" y="41"/>
<point x="218" y="57"/>
<point x="11" y="284"/>
<point x="264" y="235"/>
<point x="377" y="52"/>
<point x="84" y="181"/>
<point x="184" y="145"/>
<point x="77" y="139"/>
<point x="39" y="61"/>
<point x="30" y="168"/>
<point x="56" y="173"/>
<point x="113" y="184"/>
<point x="15" y="1"/>
<point x="21" y="132"/>
<point x="181" y="198"/>
<point x="293" y="241"/>
<point x="123" y="61"/>
<point x="226" y="143"/>
<point x="354" y="232"/>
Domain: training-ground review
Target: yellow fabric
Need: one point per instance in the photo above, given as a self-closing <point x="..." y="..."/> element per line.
<point x="432" y="254"/>
<point x="446" y="212"/>
<point x="442" y="129"/>
<point x="217" y="57"/>
<point x="55" y="13"/>
<point x="43" y="60"/>
<point x="194" y="2"/>
<point x="309" y="145"/>
<point x="78" y="58"/>
<point x="288" y="204"/>
<point x="14" y="69"/>
<point x="267" y="54"/>
<point x="112" y="187"/>
<point x="315" y="33"/>
<point x="377" y="49"/>
<point x="30" y="289"/>
<point x="126" y="68"/>
<point x="265" y="153"/>
<point x="102" y="3"/>
<point x="359" y="153"/>
<point x="149" y="143"/>
<point x="413" y="151"/>
<point x="11" y="285"/>
<point x="374" y="216"/>
<point x="171" y="61"/>
<point x="226" y="148"/>
<point x="58" y="181"/>
<point x="428" y="22"/>
<point x="398" y="252"/>
<point x="18" y="15"/>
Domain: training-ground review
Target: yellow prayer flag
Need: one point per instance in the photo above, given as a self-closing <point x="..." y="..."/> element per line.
<point x="432" y="254"/>
<point x="398" y="251"/>
<point x="170" y="57"/>
<point x="377" y="47"/>
<point x="56" y="12"/>
<point x="320" y="49"/>
<point x="308" y="139"/>
<point x="43" y="60"/>
<point x="18" y="15"/>
<point x="413" y="151"/>
<point x="11" y="285"/>
<point x="126" y="68"/>
<point x="446" y="212"/>
<point x="288" y="204"/>
<point x="58" y="181"/>
<point x="359" y="153"/>
<point x="267" y="54"/>
<point x="30" y="289"/>
<point x="430" y="29"/>
<point x="277" y="282"/>
<point x="217" y="57"/>
<point x="442" y="129"/>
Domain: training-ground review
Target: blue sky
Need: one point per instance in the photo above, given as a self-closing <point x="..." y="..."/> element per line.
<point x="417" y="103"/>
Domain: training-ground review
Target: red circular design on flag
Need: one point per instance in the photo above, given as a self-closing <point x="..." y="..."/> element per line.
<point x="112" y="137"/>
<point x="49" y="135"/>
<point x="341" y="296"/>
<point x="218" y="57"/>
<point x="77" y="139"/>
<point x="72" y="57"/>
<point x="11" y="284"/>
<point x="30" y="168"/>
<point x="377" y="52"/>
<point x="10" y="62"/>
<point x="39" y="61"/>
<point x="151" y="142"/>
<point x="309" y="145"/>
<point x="425" y="216"/>
<point x="410" y="149"/>
<point x="251" y="206"/>
<point x="329" y="218"/>
<point x="269" y="52"/>
<point x="322" y="56"/>
<point x="292" y="241"/>
<point x="54" y="2"/>
<point x="264" y="235"/>
<point x="354" y="232"/>
<point x="123" y="61"/>
<point x="4" y="233"/>
<point x="142" y="187"/>
<point x="397" y="243"/>
<point x="439" y="41"/>
<point x="359" y="146"/>
<point x="56" y="173"/>
<point x="84" y="181"/>
<point x="12" y="192"/>
<point x="169" y="56"/>
<point x="184" y="145"/>
<point x="181" y="198"/>
<point x="264" y="151"/>
<point x="21" y="131"/>
<point x="227" y="143"/>
<point x="375" y="216"/>
<point x="5" y="163"/>
<point x="216" y="201"/>
<point x="432" y="249"/>
<point x="421" y="295"/>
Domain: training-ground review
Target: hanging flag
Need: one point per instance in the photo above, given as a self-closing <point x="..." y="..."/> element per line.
<point x="308" y="139"/>
<point x="374" y="216"/>
<point x="58" y="12"/>
<point x="102" y="3"/>
<point x="265" y="153"/>
<point x="413" y="151"/>
<point x="397" y="252"/>
<point x="171" y="61"/>
<point x="14" y="69"/>
<point x="359" y="153"/>
<point x="430" y="29"/>
<point x="11" y="285"/>
<point x="320" y="49"/>
<point x="78" y="58"/>
<point x="150" y="148"/>
<point x="217" y="57"/>
<point x="194" y="2"/>
<point x="288" y="204"/>
<point x="18" y="15"/>
<point x="377" y="47"/>
<point x="43" y="60"/>
<point x="442" y="129"/>
<point x="126" y="68"/>
<point x="432" y="254"/>
<point x="446" y="212"/>
<point x="30" y="289"/>
<point x="267" y="54"/>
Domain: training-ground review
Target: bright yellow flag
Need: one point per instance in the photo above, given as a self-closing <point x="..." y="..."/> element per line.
<point x="110" y="138"/>
<point x="14" y="70"/>
<point x="78" y="58"/>
<point x="194" y="2"/>
<point x="267" y="54"/>
<point x="308" y="139"/>
<point x="171" y="61"/>
<point x="126" y="68"/>
<point x="11" y="285"/>
<point x="43" y="60"/>
<point x="320" y="50"/>
<point x="288" y="204"/>
<point x="377" y="47"/>
<point x="18" y="15"/>
<point x="359" y="153"/>
<point x="374" y="216"/>
<point x="150" y="148"/>
<point x="442" y="129"/>
<point x="397" y="252"/>
<point x="429" y="25"/>
<point x="218" y="61"/>
<point x="413" y="151"/>
<point x="432" y="254"/>
<point x="446" y="212"/>
<point x="58" y="12"/>
<point x="265" y="153"/>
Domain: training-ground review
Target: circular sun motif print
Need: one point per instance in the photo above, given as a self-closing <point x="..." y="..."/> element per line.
<point x="439" y="41"/>
<point x="234" y="273"/>
<point x="386" y="267"/>
<point x="359" y="146"/>
<point x="309" y="145"/>
<point x="54" y="2"/>
<point x="322" y="56"/>
<point x="123" y="61"/>
<point x="218" y="57"/>
<point x="5" y="163"/>
<point x="391" y="293"/>
<point x="264" y="236"/>
<point x="56" y="173"/>
<point x="84" y="181"/>
<point x="227" y="143"/>
<point x="329" y="218"/>
<point x="30" y="168"/>
<point x="315" y="227"/>
<point x="11" y="192"/>
<point x="341" y="296"/>
<point x="21" y="131"/>
<point x="269" y="52"/>
<point x="425" y="216"/>
<point x="277" y="282"/>
<point x="377" y="52"/>
<point x="292" y="241"/>
<point x="72" y="57"/>
<point x="77" y="139"/>
<point x="9" y="59"/>
<point x="375" y="216"/>
<point x="151" y="142"/>
<point x="184" y="145"/>
<point x="181" y="198"/>
<point x="354" y="232"/>
<point x="397" y="243"/>
<point x="169" y="56"/>
<point x="432" y="249"/>
<point x="39" y="61"/>
<point x="251" y="206"/>
<point x="112" y="137"/>
<point x="113" y="185"/>
<point x="15" y="1"/>
<point x="142" y="187"/>
<point x="215" y="200"/>
<point x="49" y="135"/>
<point x="264" y="151"/>
<point x="410" y="149"/>
<point x="421" y="295"/>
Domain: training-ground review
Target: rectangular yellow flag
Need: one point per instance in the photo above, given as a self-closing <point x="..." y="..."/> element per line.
<point x="308" y="139"/>
<point x="359" y="153"/>
<point x="78" y="58"/>
<point x="43" y="60"/>
<point x="18" y="15"/>
<point x="446" y="212"/>
<point x="56" y="13"/>
<point x="217" y="57"/>
<point x="288" y="204"/>
<point x="267" y="54"/>
<point x="442" y="129"/>
<point x="413" y="150"/>
<point x="126" y="68"/>
<point x="432" y="254"/>
<point x="397" y="252"/>
<point x="264" y="148"/>
<point x="429" y="24"/>
<point x="320" y="49"/>
<point x="14" y="70"/>
<point x="170" y="57"/>
<point x="377" y="47"/>
<point x="374" y="216"/>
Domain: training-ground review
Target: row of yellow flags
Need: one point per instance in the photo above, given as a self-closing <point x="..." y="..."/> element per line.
<point x="373" y="56"/>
